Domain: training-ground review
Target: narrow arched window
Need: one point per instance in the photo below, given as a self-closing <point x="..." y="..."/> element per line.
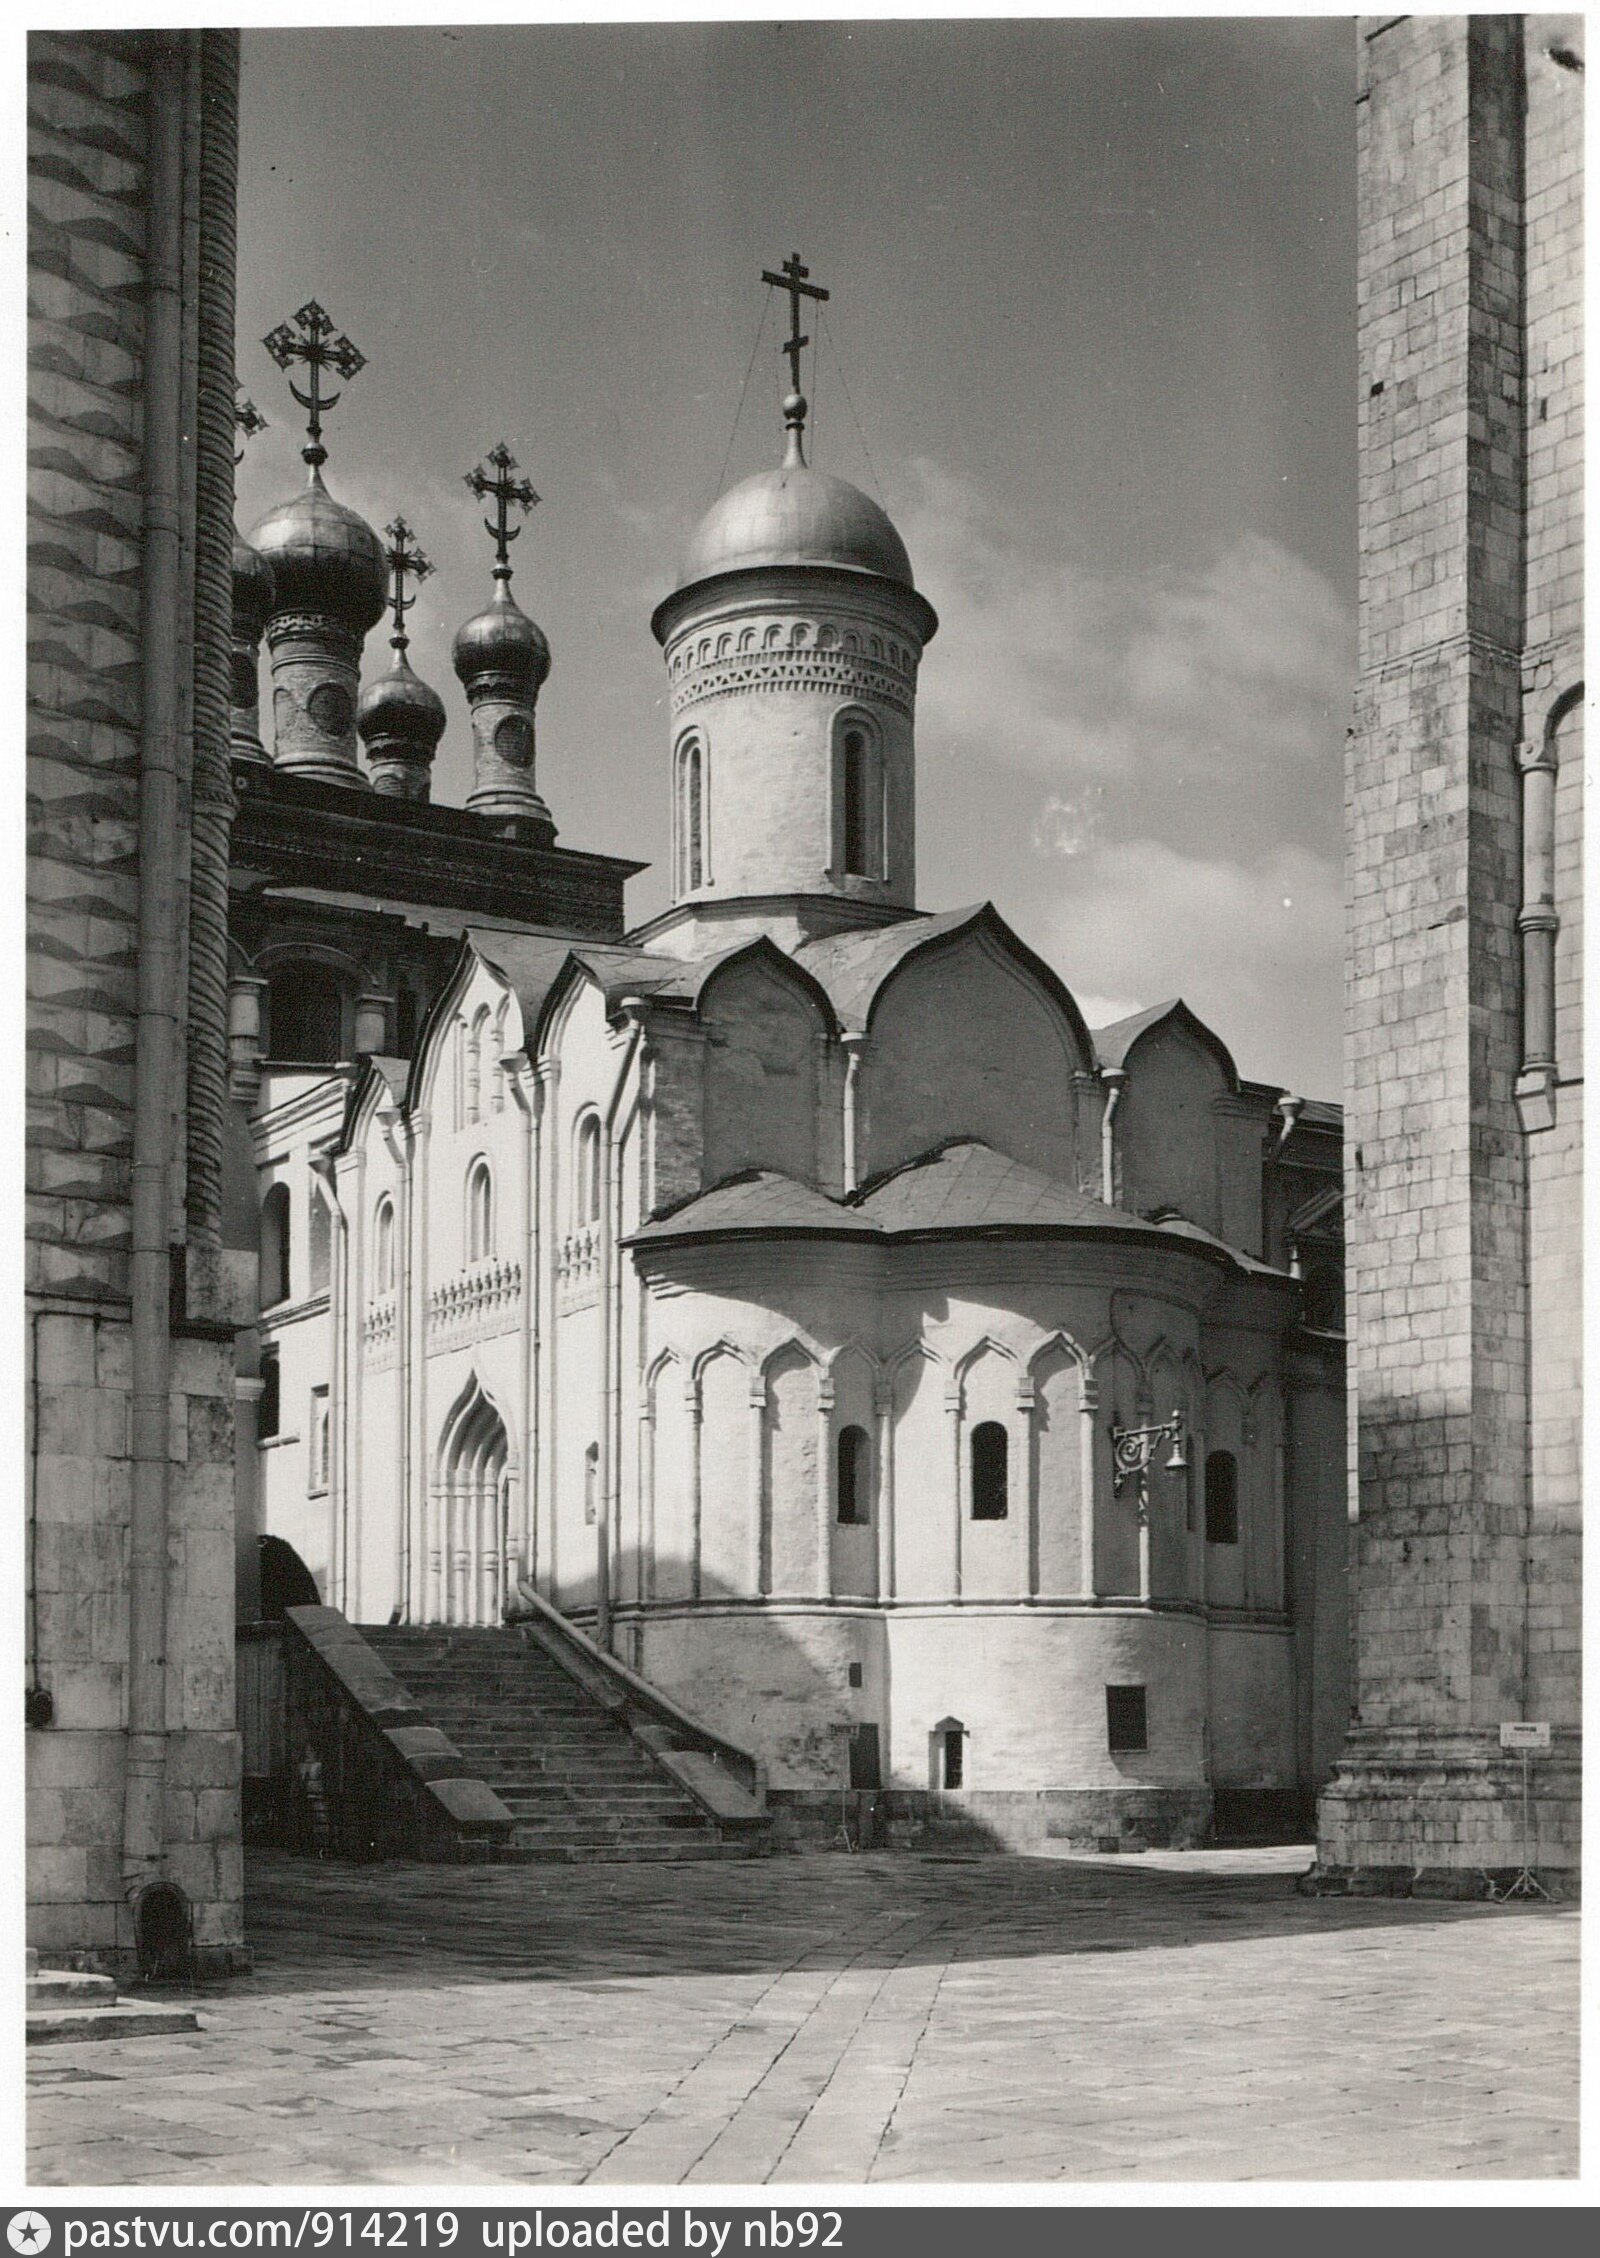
<point x="855" y="1476"/>
<point x="1222" y="1498"/>
<point x="269" y="1404"/>
<point x="591" y="1485"/>
<point x="861" y="791"/>
<point x="480" y="1213"/>
<point x="990" y="1451"/>
<point x="586" y="1172"/>
<point x="319" y="1246"/>
<point x="692" y="857"/>
<point x="383" y="1248"/>
<point x="275" y="1271"/>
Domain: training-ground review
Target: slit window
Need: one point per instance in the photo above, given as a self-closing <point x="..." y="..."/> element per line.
<point x="1126" y="1726"/>
<point x="383" y="1249"/>
<point x="275" y="1246"/>
<point x="586" y="1172"/>
<point x="267" y="1406"/>
<point x="692" y="815"/>
<point x="990" y="1453"/>
<point x="480" y="1213"/>
<point x="855" y="1474"/>
<point x="1222" y="1498"/>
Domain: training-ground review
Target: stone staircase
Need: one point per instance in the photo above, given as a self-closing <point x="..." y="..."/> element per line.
<point x="578" y="1784"/>
<point x="67" y="2007"/>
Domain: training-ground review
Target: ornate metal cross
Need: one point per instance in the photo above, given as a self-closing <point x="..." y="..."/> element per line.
<point x="406" y="562"/>
<point x="249" y="419"/>
<point x="319" y="348"/>
<point x="791" y="277"/>
<point x="506" y="492"/>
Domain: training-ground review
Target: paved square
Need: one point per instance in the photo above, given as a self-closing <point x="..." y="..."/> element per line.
<point x="876" y="2018"/>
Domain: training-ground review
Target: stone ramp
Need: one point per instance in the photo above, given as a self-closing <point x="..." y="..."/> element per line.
<point x="579" y="1786"/>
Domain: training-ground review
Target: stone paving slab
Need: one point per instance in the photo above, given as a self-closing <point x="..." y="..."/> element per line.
<point x="840" y="2019"/>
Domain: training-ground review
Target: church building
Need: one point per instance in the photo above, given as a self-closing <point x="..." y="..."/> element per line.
<point x="927" y="1391"/>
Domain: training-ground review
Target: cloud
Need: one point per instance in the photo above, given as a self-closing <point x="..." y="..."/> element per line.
<point x="1209" y="703"/>
<point x="1254" y="949"/>
<point x="1180" y="737"/>
<point x="1068" y="823"/>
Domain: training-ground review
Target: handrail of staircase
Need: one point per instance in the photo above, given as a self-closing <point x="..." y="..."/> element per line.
<point x="745" y="1767"/>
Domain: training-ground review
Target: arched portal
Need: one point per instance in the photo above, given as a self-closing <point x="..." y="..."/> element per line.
<point x="467" y="1544"/>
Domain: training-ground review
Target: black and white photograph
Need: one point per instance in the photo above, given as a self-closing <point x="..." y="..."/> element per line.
<point x="802" y="1329"/>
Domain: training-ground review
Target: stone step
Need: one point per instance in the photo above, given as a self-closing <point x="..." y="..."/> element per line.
<point x="616" y="1854"/>
<point x="67" y="1987"/>
<point x="577" y="1785"/>
<point x="121" y="2018"/>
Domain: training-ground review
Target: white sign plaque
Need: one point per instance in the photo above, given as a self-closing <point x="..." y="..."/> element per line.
<point x="1525" y="1739"/>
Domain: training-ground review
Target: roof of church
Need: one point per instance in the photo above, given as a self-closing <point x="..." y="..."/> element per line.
<point x="1112" y="1044"/>
<point x="533" y="962"/>
<point x="964" y="1185"/>
<point x="1182" y="1228"/>
<point x="853" y="966"/>
<point x="967" y="1186"/>
<point x="758" y="1200"/>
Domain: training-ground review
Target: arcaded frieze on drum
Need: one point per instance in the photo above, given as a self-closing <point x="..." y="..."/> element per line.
<point x="794" y="655"/>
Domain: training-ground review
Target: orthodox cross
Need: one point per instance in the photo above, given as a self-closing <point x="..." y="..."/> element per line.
<point x="406" y="562"/>
<point x="319" y="348"/>
<point x="249" y="420"/>
<point x="791" y="277"/>
<point x="507" y="492"/>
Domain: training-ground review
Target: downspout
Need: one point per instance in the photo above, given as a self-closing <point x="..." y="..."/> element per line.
<point x="853" y="1045"/>
<point x="1116" y="1081"/>
<point x="156" y="1036"/>
<point x="611" y="1318"/>
<point x="397" y="1137"/>
<point x="527" y="1094"/>
<point x="338" y="1472"/>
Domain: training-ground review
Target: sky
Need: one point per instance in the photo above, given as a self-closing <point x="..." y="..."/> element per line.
<point x="1091" y="341"/>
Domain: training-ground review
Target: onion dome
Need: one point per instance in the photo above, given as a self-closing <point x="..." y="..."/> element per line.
<point x="254" y="592"/>
<point x="400" y="721"/>
<point x="324" y="558"/>
<point x="503" y="642"/>
<point x="795" y="516"/>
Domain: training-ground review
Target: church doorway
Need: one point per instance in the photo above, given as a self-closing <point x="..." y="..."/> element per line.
<point x="467" y="1554"/>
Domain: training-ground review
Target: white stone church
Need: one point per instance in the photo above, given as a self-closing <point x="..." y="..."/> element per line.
<point x="788" y="1289"/>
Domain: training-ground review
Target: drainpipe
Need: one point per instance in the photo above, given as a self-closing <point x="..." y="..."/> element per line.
<point x="159" y="989"/>
<point x="632" y="1009"/>
<point x="1288" y="1110"/>
<point x="1116" y="1081"/>
<point x="854" y="1046"/>
<point x="397" y="1137"/>
<point x="338" y="1472"/>
<point x="528" y="1096"/>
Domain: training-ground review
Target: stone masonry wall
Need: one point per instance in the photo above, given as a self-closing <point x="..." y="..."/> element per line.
<point x="1461" y="1609"/>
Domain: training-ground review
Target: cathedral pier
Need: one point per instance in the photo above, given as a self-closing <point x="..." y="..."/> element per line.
<point x="1464" y="1047"/>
